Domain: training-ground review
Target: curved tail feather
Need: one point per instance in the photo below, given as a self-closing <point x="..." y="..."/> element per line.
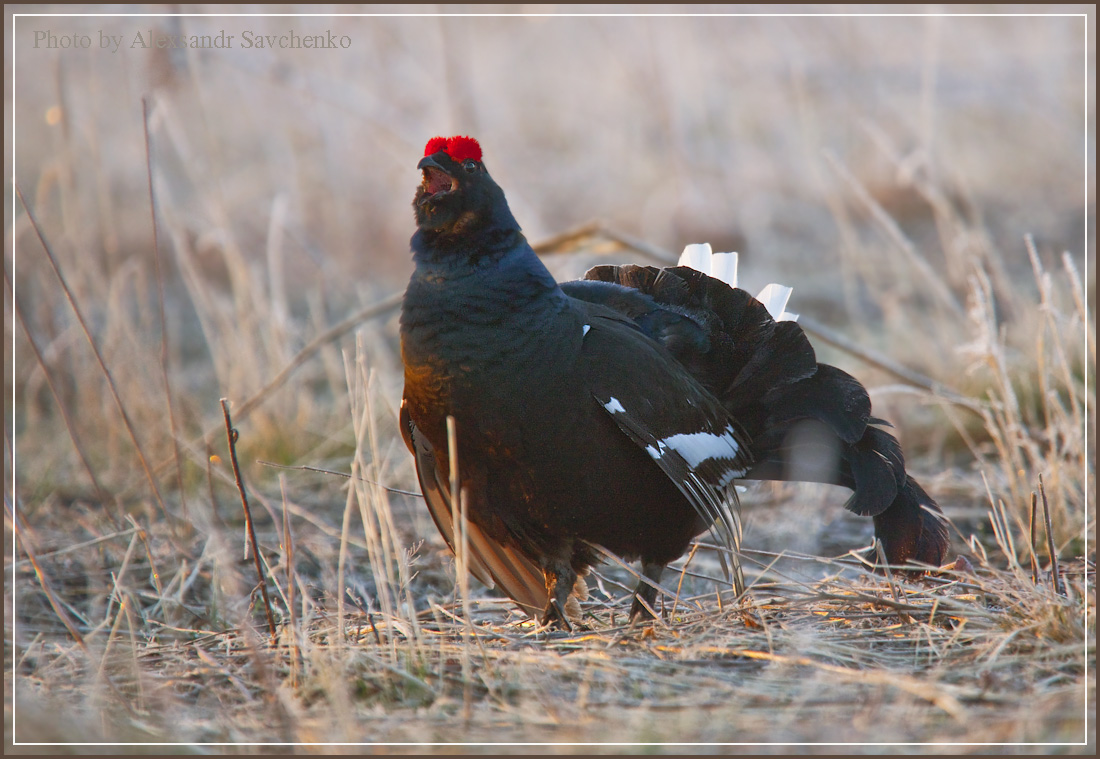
<point x="912" y="527"/>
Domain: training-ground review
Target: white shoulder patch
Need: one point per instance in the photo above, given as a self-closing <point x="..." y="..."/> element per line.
<point x="584" y="329"/>
<point x="614" y="407"/>
<point x="696" y="447"/>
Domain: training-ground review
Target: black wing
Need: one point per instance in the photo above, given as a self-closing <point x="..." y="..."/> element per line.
<point x="766" y="376"/>
<point x="669" y="415"/>
<point x="489" y="561"/>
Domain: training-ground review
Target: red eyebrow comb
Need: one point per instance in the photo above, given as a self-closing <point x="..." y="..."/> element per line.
<point x="458" y="148"/>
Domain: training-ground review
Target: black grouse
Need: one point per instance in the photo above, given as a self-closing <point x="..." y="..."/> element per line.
<point x="616" y="411"/>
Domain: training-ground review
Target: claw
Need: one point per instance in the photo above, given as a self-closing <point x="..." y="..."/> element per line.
<point x="554" y="616"/>
<point x="640" y="611"/>
<point x="645" y="595"/>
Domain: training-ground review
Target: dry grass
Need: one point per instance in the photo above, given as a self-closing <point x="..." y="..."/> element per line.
<point x="908" y="177"/>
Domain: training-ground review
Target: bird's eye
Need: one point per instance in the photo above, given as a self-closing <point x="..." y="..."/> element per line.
<point x="470" y="166"/>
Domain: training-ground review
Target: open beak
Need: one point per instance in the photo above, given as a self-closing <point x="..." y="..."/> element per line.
<point x="436" y="179"/>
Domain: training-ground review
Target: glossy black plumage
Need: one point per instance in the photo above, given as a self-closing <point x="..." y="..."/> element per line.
<point x="616" y="411"/>
<point x="766" y="375"/>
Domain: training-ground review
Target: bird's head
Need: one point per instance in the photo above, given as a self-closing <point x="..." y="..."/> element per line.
<point x="456" y="193"/>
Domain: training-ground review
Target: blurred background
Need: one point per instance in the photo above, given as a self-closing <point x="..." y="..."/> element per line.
<point x="870" y="162"/>
<point x="925" y="183"/>
<point x="672" y="129"/>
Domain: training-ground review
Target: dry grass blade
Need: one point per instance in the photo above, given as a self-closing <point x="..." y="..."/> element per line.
<point x="462" y="547"/>
<point x="887" y="364"/>
<point x="372" y="311"/>
<point x="885" y="566"/>
<point x="1055" y="573"/>
<point x="1080" y="296"/>
<point x="1031" y="541"/>
<point x="159" y="275"/>
<point x="291" y="578"/>
<point x="231" y="438"/>
<point x="637" y="575"/>
<point x="322" y="470"/>
<point x="116" y="591"/>
<point x="683" y="574"/>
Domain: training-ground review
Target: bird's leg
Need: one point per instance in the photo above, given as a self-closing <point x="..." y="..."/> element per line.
<point x="646" y="592"/>
<point x="560" y="578"/>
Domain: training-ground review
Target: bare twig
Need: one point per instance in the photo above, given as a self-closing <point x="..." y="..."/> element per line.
<point x="887" y="364"/>
<point x="231" y="435"/>
<point x="288" y="552"/>
<point x="556" y="243"/>
<point x="1031" y="541"/>
<point x="1055" y="579"/>
<point x="345" y="475"/>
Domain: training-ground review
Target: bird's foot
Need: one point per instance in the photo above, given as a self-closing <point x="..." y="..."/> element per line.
<point x="555" y="616"/>
<point x="560" y="609"/>
<point x="640" y="611"/>
<point x="645" y="595"/>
